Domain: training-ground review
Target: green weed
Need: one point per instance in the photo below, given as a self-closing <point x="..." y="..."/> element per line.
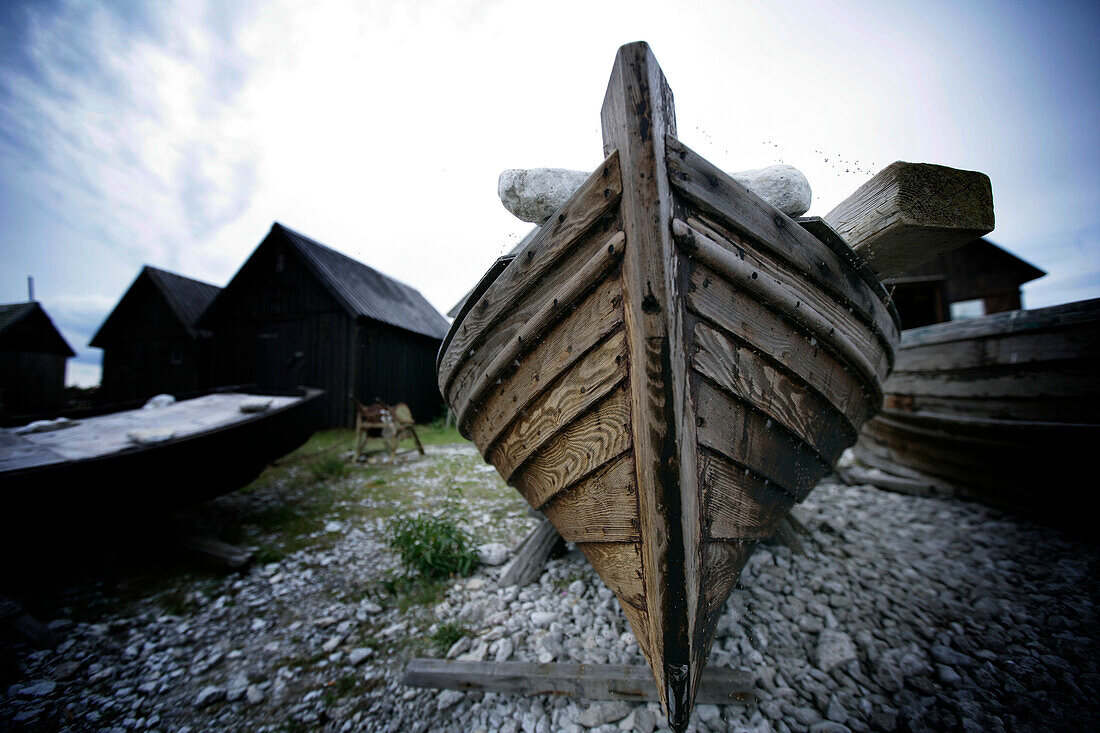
<point x="447" y="634"/>
<point x="433" y="546"/>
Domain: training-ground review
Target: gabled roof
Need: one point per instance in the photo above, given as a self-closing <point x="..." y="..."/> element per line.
<point x="361" y="290"/>
<point x="186" y="298"/>
<point x="27" y="327"/>
<point x="978" y="257"/>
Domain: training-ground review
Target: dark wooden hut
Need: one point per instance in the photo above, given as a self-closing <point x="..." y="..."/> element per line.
<point x="32" y="360"/>
<point x="299" y="313"/>
<point x="151" y="343"/>
<point x="980" y="271"/>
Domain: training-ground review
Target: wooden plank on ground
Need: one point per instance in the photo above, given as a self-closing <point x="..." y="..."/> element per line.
<point x="531" y="556"/>
<point x="591" y="682"/>
<point x="910" y="213"/>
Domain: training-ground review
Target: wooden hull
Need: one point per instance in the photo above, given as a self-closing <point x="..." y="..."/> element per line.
<point x="1003" y="409"/>
<point x="665" y="369"/>
<point x="140" y="480"/>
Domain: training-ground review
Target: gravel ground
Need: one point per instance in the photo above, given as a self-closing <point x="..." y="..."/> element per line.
<point x="897" y="613"/>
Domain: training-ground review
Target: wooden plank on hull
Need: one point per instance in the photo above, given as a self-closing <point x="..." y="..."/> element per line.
<point x="578" y="330"/>
<point x="583" y="446"/>
<point x="857" y="349"/>
<point x="747" y="375"/>
<point x="737" y="314"/>
<point x="755" y="441"/>
<point x="600" y="508"/>
<point x="537" y="302"/>
<point x="738" y="504"/>
<point x="590" y="379"/>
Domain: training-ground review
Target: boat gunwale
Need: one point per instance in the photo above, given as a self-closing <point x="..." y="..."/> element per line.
<point x="846" y="259"/>
<point x="577" y="287"/>
<point x="1051" y="319"/>
<point x="588" y="218"/>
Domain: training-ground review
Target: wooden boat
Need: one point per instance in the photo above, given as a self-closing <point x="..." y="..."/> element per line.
<point x="1003" y="409"/>
<point x="133" y="462"/>
<point x="665" y="368"/>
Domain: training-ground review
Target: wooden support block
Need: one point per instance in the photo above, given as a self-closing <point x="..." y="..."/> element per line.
<point x="531" y="555"/>
<point x="911" y="213"/>
<point x="26" y="627"/>
<point x="588" y="681"/>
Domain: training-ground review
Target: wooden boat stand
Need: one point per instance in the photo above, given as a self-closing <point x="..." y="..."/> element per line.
<point x="392" y="423"/>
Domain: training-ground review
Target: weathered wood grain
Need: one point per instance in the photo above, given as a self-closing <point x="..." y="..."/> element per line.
<point x="755" y="441"/>
<point x="600" y="508"/>
<point x="1078" y="379"/>
<point x="560" y="348"/>
<point x="552" y="310"/>
<point x="722" y="565"/>
<point x="598" y="195"/>
<point x="586" y="382"/>
<point x="748" y="376"/>
<point x="584" y="445"/>
<point x="864" y="354"/>
<point x="636" y="115"/>
<point x="1067" y="318"/>
<point x="743" y="212"/>
<point x="735" y="312"/>
<point x="1019" y="348"/>
<point x="737" y="504"/>
<point x="619" y="565"/>
<point x="589" y="682"/>
<point x="1068" y="409"/>
<point x="529" y="560"/>
<point x="910" y="213"/>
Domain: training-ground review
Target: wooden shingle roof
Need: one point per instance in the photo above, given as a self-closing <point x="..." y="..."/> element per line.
<point x="363" y="291"/>
<point x="186" y="298"/>
<point x="27" y="327"/>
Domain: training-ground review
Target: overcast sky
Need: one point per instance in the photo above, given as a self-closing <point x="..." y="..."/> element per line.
<point x="174" y="133"/>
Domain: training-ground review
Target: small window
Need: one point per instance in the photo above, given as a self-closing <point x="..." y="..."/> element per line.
<point x="280" y="262"/>
<point x="967" y="309"/>
<point x="176" y="358"/>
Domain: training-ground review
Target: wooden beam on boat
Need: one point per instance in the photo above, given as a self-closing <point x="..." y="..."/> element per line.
<point x="633" y="683"/>
<point x="910" y="213"/>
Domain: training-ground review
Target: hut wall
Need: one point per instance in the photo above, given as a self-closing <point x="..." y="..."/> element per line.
<point x="31" y="382"/>
<point x="280" y="328"/>
<point x="394" y="366"/>
<point x="147" y="351"/>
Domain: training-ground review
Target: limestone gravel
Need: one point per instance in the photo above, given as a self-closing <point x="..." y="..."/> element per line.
<point x="901" y="613"/>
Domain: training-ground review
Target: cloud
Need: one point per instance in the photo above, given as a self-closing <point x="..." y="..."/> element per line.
<point x="120" y="120"/>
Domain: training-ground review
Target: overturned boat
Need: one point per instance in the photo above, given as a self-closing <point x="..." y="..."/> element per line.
<point x="665" y="368"/>
<point x="133" y="462"/>
<point x="1002" y="409"/>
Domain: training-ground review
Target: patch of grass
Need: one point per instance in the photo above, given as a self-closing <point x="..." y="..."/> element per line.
<point x="433" y="546"/>
<point x="267" y="554"/>
<point x="447" y="634"/>
<point x="329" y="467"/>
<point x="341" y="687"/>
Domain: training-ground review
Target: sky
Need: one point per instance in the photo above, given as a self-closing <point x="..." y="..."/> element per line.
<point x="174" y="134"/>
